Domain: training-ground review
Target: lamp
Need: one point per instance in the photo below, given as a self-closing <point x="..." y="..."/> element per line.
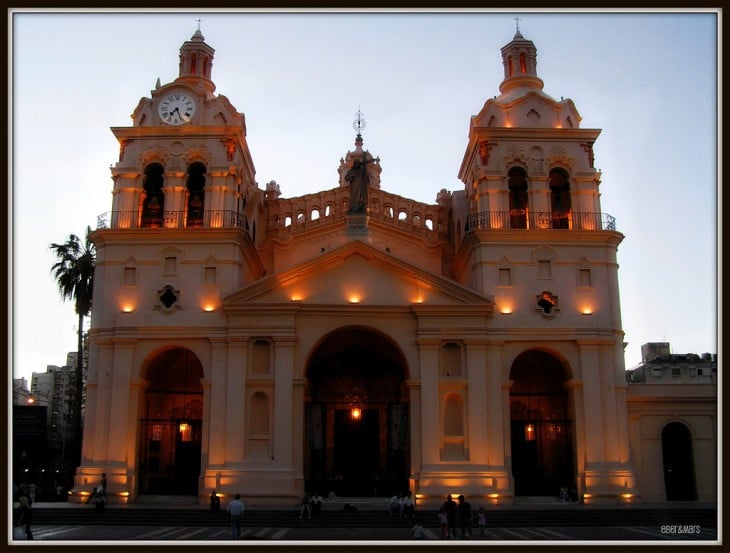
<point x="184" y="427"/>
<point x="355" y="400"/>
<point x="529" y="432"/>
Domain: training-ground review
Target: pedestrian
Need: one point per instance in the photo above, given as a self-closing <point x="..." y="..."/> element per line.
<point x="450" y="510"/>
<point x="395" y="505"/>
<point x="316" y="504"/>
<point x="235" y="512"/>
<point x="102" y="488"/>
<point x="306" y="509"/>
<point x="463" y="516"/>
<point x="417" y="530"/>
<point x="481" y="520"/>
<point x="99" y="500"/>
<point x="215" y="502"/>
<point x="24" y="516"/>
<point x="443" y="524"/>
<point x="408" y="505"/>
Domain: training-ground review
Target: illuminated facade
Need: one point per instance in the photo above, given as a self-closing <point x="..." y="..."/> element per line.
<point x="249" y="343"/>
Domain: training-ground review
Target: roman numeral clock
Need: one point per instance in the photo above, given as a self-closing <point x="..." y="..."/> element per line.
<point x="176" y="108"/>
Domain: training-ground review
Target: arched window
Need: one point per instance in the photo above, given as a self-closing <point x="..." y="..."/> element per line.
<point x="560" y="198"/>
<point x="523" y="63"/>
<point x="193" y="63"/>
<point x="453" y="434"/>
<point x="258" y="426"/>
<point x="205" y="67"/>
<point x="153" y="200"/>
<point x="510" y="69"/>
<point x="196" y="194"/>
<point x="517" y="183"/>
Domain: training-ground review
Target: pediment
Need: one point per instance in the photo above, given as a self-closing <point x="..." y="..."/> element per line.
<point x="357" y="273"/>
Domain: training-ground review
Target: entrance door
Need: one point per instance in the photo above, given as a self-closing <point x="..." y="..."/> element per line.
<point x="541" y="426"/>
<point x="679" y="472"/>
<point x="356" y="368"/>
<point x="356" y="451"/>
<point x="170" y="437"/>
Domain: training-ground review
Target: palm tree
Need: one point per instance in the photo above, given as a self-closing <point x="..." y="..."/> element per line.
<point x="74" y="274"/>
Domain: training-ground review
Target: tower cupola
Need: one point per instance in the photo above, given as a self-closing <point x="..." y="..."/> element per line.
<point x="520" y="65"/>
<point x="196" y="63"/>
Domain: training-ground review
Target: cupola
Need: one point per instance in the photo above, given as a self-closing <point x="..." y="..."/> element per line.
<point x="196" y="63"/>
<point x="520" y="65"/>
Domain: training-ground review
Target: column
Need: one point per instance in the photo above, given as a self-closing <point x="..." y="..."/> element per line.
<point x="119" y="414"/>
<point x="430" y="405"/>
<point x="214" y="397"/>
<point x="234" y="402"/>
<point x="495" y="402"/>
<point x="476" y="364"/>
<point x="283" y="395"/>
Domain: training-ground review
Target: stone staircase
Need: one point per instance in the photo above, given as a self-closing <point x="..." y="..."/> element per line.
<point x="370" y="513"/>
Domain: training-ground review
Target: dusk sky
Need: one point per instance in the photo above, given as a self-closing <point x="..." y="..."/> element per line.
<point x="649" y="80"/>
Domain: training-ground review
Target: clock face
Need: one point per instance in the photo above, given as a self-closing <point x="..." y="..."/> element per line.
<point x="176" y="108"/>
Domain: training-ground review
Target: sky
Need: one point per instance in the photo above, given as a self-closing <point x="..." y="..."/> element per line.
<point x="648" y="79"/>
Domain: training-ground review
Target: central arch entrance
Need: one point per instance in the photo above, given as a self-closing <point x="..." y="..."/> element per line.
<point x="356" y="439"/>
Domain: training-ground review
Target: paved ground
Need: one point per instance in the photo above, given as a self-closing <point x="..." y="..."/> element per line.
<point x="67" y="534"/>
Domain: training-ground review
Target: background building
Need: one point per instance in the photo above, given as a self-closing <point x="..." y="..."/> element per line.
<point x="351" y="339"/>
<point x="672" y="405"/>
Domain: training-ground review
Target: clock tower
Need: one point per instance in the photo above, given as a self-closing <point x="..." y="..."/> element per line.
<point x="179" y="238"/>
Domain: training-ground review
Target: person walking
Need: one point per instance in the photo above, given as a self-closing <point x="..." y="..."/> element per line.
<point x="235" y="512"/>
<point x="316" y="503"/>
<point x="306" y="510"/>
<point x="443" y="524"/>
<point x="463" y="516"/>
<point x="450" y="510"/>
<point x="481" y="520"/>
<point x="24" y="516"/>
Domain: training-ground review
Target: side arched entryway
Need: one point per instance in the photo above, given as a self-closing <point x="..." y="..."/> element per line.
<point x="171" y="425"/>
<point x="542" y="429"/>
<point x="678" y="461"/>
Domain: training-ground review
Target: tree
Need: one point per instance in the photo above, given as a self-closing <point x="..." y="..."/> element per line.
<point x="74" y="274"/>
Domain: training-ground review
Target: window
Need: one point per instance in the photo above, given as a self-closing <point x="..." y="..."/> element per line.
<point x="517" y="184"/>
<point x="560" y="198"/>
<point x="676" y="372"/>
<point x="544" y="269"/>
<point x="657" y="372"/>
<point x="130" y="276"/>
<point x="260" y="357"/>
<point x="505" y="276"/>
<point x="584" y="278"/>
<point x="170" y="267"/>
<point x="196" y="194"/>
<point x="451" y="359"/>
<point x="209" y="276"/>
<point x="153" y="199"/>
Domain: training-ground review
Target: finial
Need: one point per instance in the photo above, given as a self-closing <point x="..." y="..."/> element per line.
<point x="199" y="25"/>
<point x="359" y="123"/>
<point x="517" y="27"/>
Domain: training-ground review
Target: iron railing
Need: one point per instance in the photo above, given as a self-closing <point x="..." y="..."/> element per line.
<point x="539" y="220"/>
<point x="172" y="219"/>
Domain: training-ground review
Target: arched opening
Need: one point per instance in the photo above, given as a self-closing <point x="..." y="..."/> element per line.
<point x="678" y="460"/>
<point x="196" y="194"/>
<point x="560" y="198"/>
<point x="153" y="200"/>
<point x="356" y="438"/>
<point x="517" y="183"/>
<point x="171" y="425"/>
<point x="543" y="449"/>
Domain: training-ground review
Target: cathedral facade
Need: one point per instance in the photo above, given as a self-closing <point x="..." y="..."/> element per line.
<point x="354" y="340"/>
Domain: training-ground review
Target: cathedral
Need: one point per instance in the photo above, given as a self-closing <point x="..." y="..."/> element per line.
<point x="352" y="340"/>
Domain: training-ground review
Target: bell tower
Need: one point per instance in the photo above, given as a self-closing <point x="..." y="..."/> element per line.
<point x="179" y="238"/>
<point x="535" y="238"/>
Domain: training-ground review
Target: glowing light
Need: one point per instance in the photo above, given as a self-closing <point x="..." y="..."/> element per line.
<point x="30" y="400"/>
<point x="529" y="432"/>
<point x="493" y="495"/>
<point x="296" y="297"/>
<point x="506" y="311"/>
<point x="356" y="413"/>
<point x="209" y="308"/>
<point x="587" y="311"/>
<point x="127" y="308"/>
<point x="354" y="298"/>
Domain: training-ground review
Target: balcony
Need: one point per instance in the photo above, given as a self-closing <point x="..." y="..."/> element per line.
<point x="539" y="220"/>
<point x="172" y="220"/>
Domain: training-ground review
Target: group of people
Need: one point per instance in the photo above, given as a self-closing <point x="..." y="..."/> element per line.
<point x="402" y="505"/>
<point x="453" y="515"/>
<point x="235" y="510"/>
<point x="311" y="505"/>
